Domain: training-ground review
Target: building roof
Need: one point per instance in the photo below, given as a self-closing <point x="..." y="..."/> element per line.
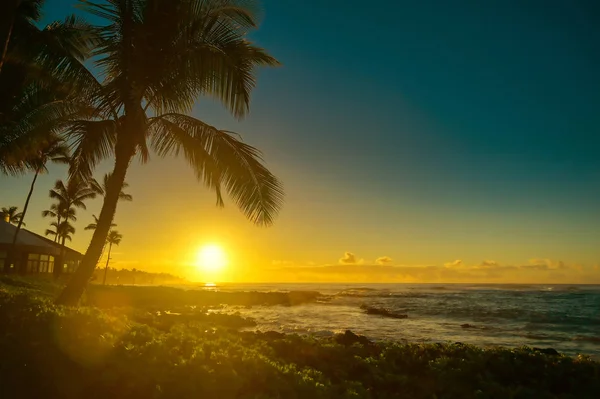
<point x="30" y="239"/>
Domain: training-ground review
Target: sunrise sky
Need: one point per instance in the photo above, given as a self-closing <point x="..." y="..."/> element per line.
<point x="420" y="141"/>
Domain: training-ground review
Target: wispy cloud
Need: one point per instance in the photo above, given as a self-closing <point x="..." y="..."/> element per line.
<point x="456" y="263"/>
<point x="384" y="260"/>
<point x="348" y="259"/>
<point x="546" y="264"/>
<point x="488" y="264"/>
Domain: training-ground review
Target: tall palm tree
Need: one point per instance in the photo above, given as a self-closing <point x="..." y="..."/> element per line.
<point x="158" y="57"/>
<point x="114" y="237"/>
<point x="69" y="197"/>
<point x="14" y="217"/>
<point x="102" y="188"/>
<point x="58" y="212"/>
<point x="54" y="151"/>
<point x="72" y="195"/>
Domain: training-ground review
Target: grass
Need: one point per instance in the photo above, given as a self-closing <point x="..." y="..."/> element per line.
<point x="138" y="352"/>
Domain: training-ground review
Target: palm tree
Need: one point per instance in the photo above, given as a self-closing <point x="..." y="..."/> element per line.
<point x="56" y="211"/>
<point x="113" y="238"/>
<point x="14" y="217"/>
<point x="68" y="197"/>
<point x="52" y="151"/>
<point x="63" y="231"/>
<point x="40" y="69"/>
<point x="73" y="195"/>
<point x="101" y="188"/>
<point x="7" y="19"/>
<point x="47" y="53"/>
<point x="92" y="226"/>
<point x="157" y="57"/>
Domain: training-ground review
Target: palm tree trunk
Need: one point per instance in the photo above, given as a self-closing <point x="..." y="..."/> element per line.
<point x="57" y="224"/>
<point x="14" y="241"/>
<point x="13" y="246"/>
<point x="8" y="13"/>
<point x="60" y="261"/>
<point x="76" y="285"/>
<point x="107" y="260"/>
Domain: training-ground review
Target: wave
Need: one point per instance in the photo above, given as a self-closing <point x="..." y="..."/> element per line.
<point x="544" y="337"/>
<point x="587" y="338"/>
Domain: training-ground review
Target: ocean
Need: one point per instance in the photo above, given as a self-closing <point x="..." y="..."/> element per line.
<point x="563" y="317"/>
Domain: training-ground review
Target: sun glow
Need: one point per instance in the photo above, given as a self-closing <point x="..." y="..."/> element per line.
<point x="211" y="259"/>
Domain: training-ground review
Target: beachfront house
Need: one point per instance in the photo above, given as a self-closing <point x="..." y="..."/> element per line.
<point x="34" y="254"/>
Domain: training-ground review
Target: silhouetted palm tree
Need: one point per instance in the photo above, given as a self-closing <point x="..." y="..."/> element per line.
<point x="63" y="231"/>
<point x="57" y="47"/>
<point x="102" y="188"/>
<point x="57" y="211"/>
<point x="53" y="151"/>
<point x="40" y="69"/>
<point x="68" y="197"/>
<point x="14" y="217"/>
<point x="92" y="226"/>
<point x="113" y="238"/>
<point x="73" y="195"/>
<point x="157" y="57"/>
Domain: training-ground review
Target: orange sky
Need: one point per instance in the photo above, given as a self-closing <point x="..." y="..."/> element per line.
<point x="172" y="217"/>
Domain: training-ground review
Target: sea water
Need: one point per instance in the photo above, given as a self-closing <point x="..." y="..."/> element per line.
<point x="564" y="317"/>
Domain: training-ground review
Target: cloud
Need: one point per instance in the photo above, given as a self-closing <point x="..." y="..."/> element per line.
<point x="456" y="263"/>
<point x="348" y="259"/>
<point x="383" y="260"/>
<point x="540" y="262"/>
<point x="489" y="263"/>
<point x="547" y="264"/>
<point x="492" y="272"/>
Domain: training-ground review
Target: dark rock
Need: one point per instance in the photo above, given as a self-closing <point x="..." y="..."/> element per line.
<point x="547" y="351"/>
<point x="467" y="325"/>
<point x="383" y="312"/>
<point x="349" y="338"/>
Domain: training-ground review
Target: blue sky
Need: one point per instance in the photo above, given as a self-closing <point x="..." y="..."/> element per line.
<point x="425" y="131"/>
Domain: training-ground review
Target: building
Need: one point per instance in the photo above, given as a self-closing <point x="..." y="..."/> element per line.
<point x="34" y="254"/>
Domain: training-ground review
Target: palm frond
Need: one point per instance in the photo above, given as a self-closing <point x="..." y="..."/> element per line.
<point x="219" y="159"/>
<point x="91" y="142"/>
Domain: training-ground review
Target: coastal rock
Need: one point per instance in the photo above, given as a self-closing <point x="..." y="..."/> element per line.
<point x="547" y="351"/>
<point x="349" y="338"/>
<point x="383" y="312"/>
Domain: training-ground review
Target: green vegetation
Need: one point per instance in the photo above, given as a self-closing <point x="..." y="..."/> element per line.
<point x="51" y="351"/>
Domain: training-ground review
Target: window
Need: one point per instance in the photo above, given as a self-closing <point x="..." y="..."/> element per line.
<point x="51" y="264"/>
<point x="44" y="263"/>
<point x="33" y="263"/>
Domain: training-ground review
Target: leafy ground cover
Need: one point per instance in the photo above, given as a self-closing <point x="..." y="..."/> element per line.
<point x="49" y="351"/>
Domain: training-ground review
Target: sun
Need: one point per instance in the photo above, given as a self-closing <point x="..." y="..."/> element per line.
<point x="211" y="258"/>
